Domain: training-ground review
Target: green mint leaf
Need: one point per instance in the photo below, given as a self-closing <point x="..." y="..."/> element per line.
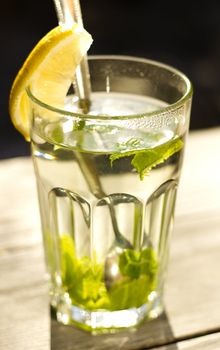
<point x="83" y="278"/>
<point x="133" y="263"/>
<point x="126" y="149"/>
<point x="131" y="293"/>
<point x="118" y="155"/>
<point x="67" y="260"/>
<point x="57" y="134"/>
<point x="144" y="160"/>
<point x="139" y="270"/>
<point x="149" y="264"/>
<point x="130" y="263"/>
<point x="79" y="125"/>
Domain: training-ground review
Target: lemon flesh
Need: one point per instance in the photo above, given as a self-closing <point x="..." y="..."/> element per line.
<point x="49" y="71"/>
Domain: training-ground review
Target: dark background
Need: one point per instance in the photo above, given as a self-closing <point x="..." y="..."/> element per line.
<point x="183" y="34"/>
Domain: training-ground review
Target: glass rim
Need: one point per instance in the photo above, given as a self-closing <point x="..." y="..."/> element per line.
<point x="163" y="110"/>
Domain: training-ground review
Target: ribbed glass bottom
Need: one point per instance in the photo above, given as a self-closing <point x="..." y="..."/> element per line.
<point x="107" y="321"/>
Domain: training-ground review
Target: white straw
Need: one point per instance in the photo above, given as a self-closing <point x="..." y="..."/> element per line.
<point x="68" y="12"/>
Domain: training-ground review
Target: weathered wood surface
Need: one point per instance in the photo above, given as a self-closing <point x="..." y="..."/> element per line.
<point x="207" y="342"/>
<point x="193" y="285"/>
<point x="193" y="289"/>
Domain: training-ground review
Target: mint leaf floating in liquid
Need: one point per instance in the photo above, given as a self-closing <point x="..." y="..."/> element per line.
<point x="144" y="160"/>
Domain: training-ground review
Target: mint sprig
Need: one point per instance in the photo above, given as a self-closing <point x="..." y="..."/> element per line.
<point x="144" y="160"/>
<point x="83" y="278"/>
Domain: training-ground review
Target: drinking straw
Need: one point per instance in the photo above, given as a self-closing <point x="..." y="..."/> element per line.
<point x="69" y="12"/>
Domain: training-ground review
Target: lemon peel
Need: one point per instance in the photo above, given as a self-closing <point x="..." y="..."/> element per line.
<point x="49" y="71"/>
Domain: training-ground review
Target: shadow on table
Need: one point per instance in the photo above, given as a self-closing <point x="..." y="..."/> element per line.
<point x="151" y="334"/>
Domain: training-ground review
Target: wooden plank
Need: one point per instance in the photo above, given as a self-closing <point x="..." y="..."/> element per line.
<point x="24" y="322"/>
<point x="207" y="342"/>
<point x="200" y="181"/>
<point x="19" y="214"/>
<point x="193" y="279"/>
<point x="194" y="275"/>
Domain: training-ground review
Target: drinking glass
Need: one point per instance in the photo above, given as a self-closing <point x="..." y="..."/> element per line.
<point x="107" y="183"/>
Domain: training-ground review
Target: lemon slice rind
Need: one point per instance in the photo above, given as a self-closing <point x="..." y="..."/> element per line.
<point x="49" y="71"/>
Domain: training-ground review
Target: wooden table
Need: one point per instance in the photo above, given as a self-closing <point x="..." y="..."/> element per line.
<point x="192" y="317"/>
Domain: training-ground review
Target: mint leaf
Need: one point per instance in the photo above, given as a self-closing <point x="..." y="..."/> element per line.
<point x="130" y="263"/>
<point x="140" y="276"/>
<point x="131" y="293"/>
<point x="83" y="278"/>
<point x="133" y="263"/>
<point x="144" y="160"/>
<point x="57" y="134"/>
<point x="67" y="260"/>
<point x="118" y="155"/>
<point x="79" y="125"/>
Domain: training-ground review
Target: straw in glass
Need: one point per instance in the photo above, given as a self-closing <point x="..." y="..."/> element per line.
<point x="69" y="12"/>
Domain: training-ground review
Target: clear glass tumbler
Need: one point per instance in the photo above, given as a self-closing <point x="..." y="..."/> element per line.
<point x="107" y="185"/>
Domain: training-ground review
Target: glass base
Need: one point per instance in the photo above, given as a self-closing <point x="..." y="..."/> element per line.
<point x="104" y="321"/>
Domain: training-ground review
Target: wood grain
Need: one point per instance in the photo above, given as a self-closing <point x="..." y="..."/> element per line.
<point x="207" y="342"/>
<point x="193" y="284"/>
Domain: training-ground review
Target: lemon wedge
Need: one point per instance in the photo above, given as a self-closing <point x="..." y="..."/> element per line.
<point x="49" y="71"/>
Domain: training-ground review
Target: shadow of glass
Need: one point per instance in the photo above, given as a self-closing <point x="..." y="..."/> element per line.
<point x="150" y="334"/>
